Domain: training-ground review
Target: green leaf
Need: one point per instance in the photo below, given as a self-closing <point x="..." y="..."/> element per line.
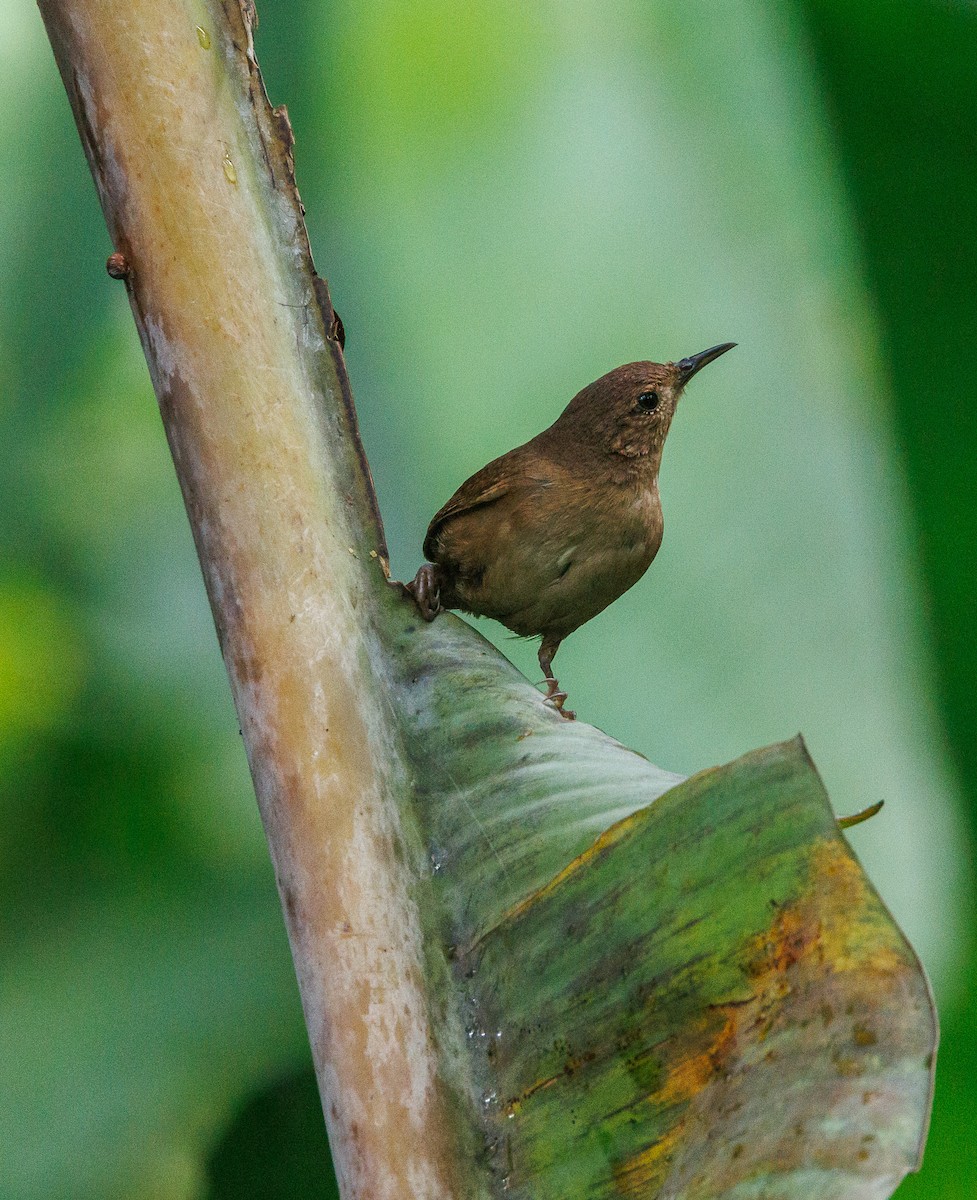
<point x="707" y="999"/>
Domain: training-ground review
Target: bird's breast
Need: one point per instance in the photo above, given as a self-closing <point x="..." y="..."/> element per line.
<point x="550" y="568"/>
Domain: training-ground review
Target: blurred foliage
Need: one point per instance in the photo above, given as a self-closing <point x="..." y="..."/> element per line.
<point x="901" y="93"/>
<point x="507" y="200"/>
<point x="285" y="1117"/>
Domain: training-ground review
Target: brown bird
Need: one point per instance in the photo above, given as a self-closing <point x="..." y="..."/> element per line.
<point x="545" y="537"/>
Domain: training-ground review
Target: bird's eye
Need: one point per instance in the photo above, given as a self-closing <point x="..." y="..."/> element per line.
<point x="648" y="401"/>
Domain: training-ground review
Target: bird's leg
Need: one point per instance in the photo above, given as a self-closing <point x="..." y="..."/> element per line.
<point x="554" y="694"/>
<point x="426" y="590"/>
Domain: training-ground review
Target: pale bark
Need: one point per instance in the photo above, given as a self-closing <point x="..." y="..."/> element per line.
<point x="194" y="173"/>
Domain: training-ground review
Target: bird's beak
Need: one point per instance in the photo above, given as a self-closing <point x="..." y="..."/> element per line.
<point x="688" y="366"/>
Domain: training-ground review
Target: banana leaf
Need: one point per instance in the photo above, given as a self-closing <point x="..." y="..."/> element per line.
<point x="669" y="988"/>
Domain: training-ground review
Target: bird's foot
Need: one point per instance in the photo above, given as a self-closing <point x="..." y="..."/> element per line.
<point x="557" y="697"/>
<point x="426" y="591"/>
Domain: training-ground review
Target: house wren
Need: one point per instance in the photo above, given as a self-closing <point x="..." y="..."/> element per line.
<point x="545" y="537"/>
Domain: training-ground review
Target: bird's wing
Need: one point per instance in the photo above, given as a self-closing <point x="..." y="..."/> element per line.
<point x="485" y="487"/>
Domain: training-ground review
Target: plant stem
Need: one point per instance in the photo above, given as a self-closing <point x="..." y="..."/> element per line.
<point x="194" y="172"/>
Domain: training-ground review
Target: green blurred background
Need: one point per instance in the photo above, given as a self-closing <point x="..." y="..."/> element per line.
<point x="508" y="200"/>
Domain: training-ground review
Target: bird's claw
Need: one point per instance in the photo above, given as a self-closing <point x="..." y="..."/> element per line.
<point x="426" y="591"/>
<point x="557" y="698"/>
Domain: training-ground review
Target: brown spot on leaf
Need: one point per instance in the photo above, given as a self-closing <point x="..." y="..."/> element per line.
<point x="848" y="1067"/>
<point x="643" y="1174"/>
<point x="821" y="955"/>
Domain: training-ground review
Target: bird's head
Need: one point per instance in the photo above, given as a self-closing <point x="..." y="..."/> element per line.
<point x="627" y="412"/>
